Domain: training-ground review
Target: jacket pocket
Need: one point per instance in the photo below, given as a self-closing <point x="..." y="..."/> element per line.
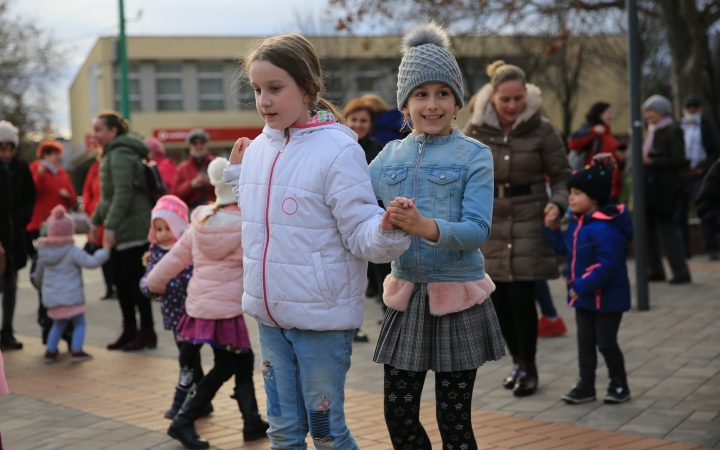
<point x="324" y="280"/>
<point x="393" y="182"/>
<point x="443" y="182"/>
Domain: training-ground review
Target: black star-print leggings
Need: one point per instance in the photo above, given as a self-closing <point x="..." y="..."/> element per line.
<point x="453" y="394"/>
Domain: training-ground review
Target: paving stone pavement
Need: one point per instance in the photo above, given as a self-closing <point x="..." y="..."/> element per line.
<point x="671" y="353"/>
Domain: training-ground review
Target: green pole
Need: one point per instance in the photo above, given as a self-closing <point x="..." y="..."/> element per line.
<point x="123" y="64"/>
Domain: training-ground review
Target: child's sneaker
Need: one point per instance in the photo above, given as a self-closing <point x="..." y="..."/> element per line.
<point x="618" y="392"/>
<point x="551" y="327"/>
<point x="80" y="356"/>
<point x="579" y="394"/>
<point x="51" y="356"/>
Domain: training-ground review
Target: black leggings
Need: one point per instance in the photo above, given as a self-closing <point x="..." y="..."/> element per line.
<point x="127" y="270"/>
<point x="453" y="393"/>
<point x="515" y="308"/>
<point x="226" y="365"/>
<point x="191" y="372"/>
<point x="598" y="330"/>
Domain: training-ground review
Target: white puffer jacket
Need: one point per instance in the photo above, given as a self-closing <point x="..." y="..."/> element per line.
<point x="306" y="248"/>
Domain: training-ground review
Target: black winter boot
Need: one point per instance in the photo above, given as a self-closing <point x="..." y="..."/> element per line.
<point x="8" y="341"/>
<point x="177" y="403"/>
<point x="254" y="427"/>
<point x="182" y="427"/>
<point x="509" y="381"/>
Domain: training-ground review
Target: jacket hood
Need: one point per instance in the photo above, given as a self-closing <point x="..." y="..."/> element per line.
<point x="219" y="236"/>
<point x="303" y="131"/>
<point x="53" y="254"/>
<point x="130" y="142"/>
<point x="483" y="111"/>
<point x="618" y="216"/>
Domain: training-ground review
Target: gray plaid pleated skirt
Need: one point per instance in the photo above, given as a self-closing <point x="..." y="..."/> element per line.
<point x="417" y="341"/>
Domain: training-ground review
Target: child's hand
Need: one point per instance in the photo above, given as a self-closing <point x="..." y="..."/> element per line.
<point x="385" y="222"/>
<point x="107" y="245"/>
<point x="405" y="215"/>
<point x="238" y="150"/>
<point x="573" y="294"/>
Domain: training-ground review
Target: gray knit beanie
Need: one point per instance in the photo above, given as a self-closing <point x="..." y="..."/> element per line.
<point x="196" y="133"/>
<point x="659" y="104"/>
<point x="426" y="59"/>
<point x="8" y="133"/>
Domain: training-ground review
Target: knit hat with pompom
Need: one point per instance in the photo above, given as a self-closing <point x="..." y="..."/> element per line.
<point x="60" y="225"/>
<point x="223" y="193"/>
<point x="426" y="59"/>
<point x="595" y="180"/>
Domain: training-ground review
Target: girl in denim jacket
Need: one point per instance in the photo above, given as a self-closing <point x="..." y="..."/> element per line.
<point x="438" y="185"/>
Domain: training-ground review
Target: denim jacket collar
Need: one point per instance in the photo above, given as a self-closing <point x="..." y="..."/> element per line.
<point x="434" y="139"/>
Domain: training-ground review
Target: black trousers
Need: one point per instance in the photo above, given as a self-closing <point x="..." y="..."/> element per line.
<point x="226" y="365"/>
<point x="514" y="304"/>
<point x="598" y="331"/>
<point x="9" y="296"/>
<point x="191" y="371"/>
<point x="127" y="269"/>
<point x="667" y="230"/>
<point x="453" y="393"/>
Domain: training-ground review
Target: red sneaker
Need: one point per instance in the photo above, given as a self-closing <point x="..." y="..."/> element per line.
<point x="551" y="328"/>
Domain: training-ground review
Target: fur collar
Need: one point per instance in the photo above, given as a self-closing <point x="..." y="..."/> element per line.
<point x="484" y="112"/>
<point x="55" y="241"/>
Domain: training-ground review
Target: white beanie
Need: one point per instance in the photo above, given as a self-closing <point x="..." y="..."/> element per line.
<point x="9" y="133"/>
<point x="223" y="193"/>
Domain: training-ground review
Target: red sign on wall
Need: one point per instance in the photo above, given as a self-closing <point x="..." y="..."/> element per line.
<point x="216" y="134"/>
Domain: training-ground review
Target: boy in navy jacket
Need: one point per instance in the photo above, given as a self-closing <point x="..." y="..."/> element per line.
<point x="595" y="246"/>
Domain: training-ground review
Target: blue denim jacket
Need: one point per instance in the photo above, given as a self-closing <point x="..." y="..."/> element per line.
<point x="451" y="179"/>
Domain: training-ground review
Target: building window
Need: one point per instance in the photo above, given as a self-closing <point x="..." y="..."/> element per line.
<point x="168" y="86"/>
<point x="134" y="83"/>
<point x="211" y="86"/>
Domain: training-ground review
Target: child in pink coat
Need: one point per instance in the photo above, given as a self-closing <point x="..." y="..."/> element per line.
<point x="214" y="313"/>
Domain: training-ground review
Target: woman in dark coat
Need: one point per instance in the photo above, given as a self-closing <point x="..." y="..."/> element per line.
<point x="525" y="147"/>
<point x="664" y="160"/>
<point x="17" y="200"/>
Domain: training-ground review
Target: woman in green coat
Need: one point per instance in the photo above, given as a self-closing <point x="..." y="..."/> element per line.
<point x="124" y="211"/>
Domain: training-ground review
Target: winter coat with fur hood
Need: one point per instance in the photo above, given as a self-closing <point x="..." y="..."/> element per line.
<point x="311" y="223"/>
<point x="58" y="272"/>
<point x="216" y="288"/>
<point x="517" y="249"/>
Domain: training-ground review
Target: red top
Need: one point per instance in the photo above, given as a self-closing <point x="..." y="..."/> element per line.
<point x="584" y="139"/>
<point x="91" y="196"/>
<point x="167" y="169"/>
<point x="186" y="172"/>
<point x="48" y="185"/>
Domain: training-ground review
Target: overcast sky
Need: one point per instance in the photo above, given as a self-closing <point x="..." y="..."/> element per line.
<point x="76" y="25"/>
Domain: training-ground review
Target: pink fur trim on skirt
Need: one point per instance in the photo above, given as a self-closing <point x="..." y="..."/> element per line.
<point x="445" y="297"/>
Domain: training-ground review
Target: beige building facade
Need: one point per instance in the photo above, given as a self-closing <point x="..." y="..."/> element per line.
<point x="180" y="83"/>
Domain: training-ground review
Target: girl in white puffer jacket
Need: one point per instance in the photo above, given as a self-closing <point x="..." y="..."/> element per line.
<point x="310" y="224"/>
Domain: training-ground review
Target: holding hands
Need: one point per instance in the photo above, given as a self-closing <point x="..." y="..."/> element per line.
<point x="238" y="150"/>
<point x="402" y="213"/>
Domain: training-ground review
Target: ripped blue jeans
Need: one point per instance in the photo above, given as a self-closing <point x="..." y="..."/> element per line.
<point x="304" y="375"/>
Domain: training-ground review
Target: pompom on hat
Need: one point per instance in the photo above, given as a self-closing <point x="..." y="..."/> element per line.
<point x="223" y="193"/>
<point x="174" y="212"/>
<point x="596" y="179"/>
<point x="426" y="59"/>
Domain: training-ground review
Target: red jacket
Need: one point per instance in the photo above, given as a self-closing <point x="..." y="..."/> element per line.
<point x="91" y="196"/>
<point x="167" y="169"/>
<point x="47" y="186"/>
<point x="186" y="172"/>
<point x="586" y="138"/>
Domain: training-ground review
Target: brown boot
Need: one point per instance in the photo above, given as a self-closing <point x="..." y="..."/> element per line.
<point x="128" y="334"/>
<point x="145" y="338"/>
<point x="527" y="379"/>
